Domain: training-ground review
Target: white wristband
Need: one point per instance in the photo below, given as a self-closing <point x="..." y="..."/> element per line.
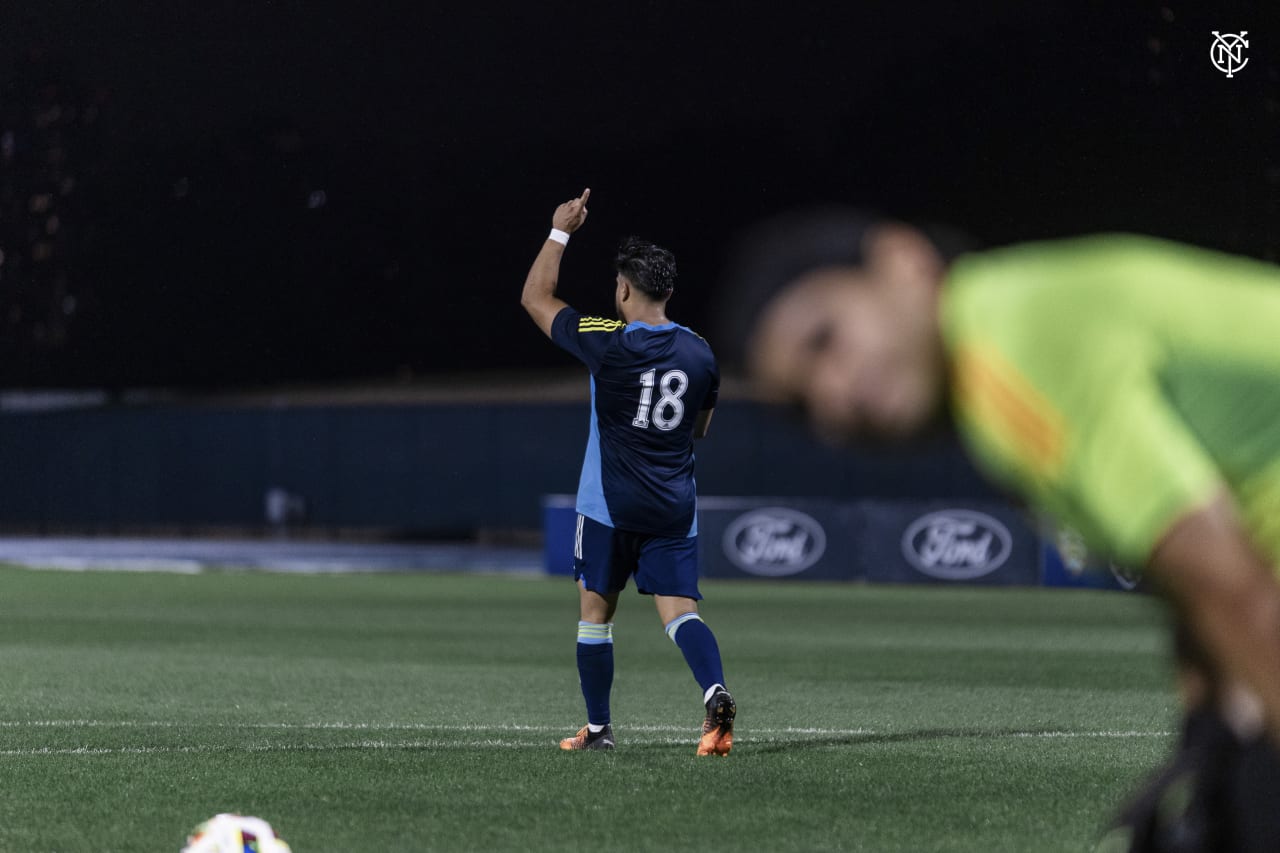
<point x="561" y="237"/>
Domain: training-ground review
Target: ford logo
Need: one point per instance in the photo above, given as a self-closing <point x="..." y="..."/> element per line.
<point x="774" y="542"/>
<point x="956" y="544"/>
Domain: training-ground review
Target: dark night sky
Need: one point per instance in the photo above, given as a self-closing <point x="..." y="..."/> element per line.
<point x="442" y="137"/>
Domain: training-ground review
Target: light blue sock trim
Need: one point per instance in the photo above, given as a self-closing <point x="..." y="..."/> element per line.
<point x="674" y="624"/>
<point x="594" y="634"/>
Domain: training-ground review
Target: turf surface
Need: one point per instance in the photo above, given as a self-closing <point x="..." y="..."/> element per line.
<point x="421" y="712"/>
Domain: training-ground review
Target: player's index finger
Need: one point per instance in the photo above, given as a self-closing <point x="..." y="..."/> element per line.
<point x="586" y="194"/>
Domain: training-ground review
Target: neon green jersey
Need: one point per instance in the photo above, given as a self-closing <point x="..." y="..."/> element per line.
<point x="1117" y="382"/>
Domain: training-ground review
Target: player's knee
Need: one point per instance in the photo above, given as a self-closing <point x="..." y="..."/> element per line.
<point x="675" y="624"/>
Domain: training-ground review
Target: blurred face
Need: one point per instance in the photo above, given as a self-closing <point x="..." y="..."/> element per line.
<point x="858" y="348"/>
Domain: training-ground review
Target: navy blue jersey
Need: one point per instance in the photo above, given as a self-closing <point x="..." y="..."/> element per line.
<point x="648" y="384"/>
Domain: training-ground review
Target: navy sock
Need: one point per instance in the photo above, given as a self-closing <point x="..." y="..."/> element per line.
<point x="698" y="644"/>
<point x="595" y="669"/>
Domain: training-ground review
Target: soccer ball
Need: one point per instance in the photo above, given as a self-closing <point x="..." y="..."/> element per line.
<point x="233" y="833"/>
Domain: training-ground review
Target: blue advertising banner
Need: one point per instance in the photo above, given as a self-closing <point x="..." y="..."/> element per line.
<point x="777" y="538"/>
<point x="559" y="521"/>
<point x="941" y="543"/>
<point x="1068" y="562"/>
<point x="933" y="542"/>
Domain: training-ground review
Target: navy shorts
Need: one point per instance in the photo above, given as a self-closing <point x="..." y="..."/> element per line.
<point x="604" y="557"/>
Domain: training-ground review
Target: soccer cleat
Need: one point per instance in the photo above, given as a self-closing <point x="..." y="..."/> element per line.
<point x="717" y="728"/>
<point x="587" y="739"/>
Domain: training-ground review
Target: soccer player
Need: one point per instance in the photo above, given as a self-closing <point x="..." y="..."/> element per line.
<point x="1126" y="385"/>
<point x="653" y="389"/>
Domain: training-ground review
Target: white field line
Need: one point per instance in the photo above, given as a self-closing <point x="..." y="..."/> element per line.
<point x="206" y="750"/>
<point x="365" y="726"/>
<point x="516" y="727"/>
<point x="763" y="735"/>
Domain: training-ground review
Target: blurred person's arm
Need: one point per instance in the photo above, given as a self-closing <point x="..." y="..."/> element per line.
<point x="1227" y="592"/>
<point x="703" y="423"/>
<point x="539" y="296"/>
<point x="707" y="408"/>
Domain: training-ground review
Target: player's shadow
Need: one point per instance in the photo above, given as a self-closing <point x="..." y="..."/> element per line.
<point x="873" y="738"/>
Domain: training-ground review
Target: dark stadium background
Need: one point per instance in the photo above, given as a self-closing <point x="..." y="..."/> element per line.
<point x="309" y="191"/>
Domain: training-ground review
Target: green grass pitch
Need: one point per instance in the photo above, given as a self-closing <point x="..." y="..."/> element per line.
<point x="421" y="712"/>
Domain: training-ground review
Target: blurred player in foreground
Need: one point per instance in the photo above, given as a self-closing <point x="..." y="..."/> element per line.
<point x="653" y="389"/>
<point x="1128" y="386"/>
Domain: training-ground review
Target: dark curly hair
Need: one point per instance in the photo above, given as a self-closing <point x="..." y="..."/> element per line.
<point x="650" y="268"/>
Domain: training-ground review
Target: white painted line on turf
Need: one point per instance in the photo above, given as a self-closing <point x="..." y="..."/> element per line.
<point x="434" y="744"/>
<point x="363" y="745"/>
<point x="1118" y="734"/>
<point x="756" y="733"/>
<point x="210" y="750"/>
<point x="313" y="726"/>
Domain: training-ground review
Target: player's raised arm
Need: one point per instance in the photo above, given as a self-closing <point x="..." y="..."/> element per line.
<point x="539" y="296"/>
<point x="703" y="423"/>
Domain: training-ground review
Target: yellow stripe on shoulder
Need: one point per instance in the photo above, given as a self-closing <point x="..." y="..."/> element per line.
<point x="991" y="391"/>
<point x="599" y="324"/>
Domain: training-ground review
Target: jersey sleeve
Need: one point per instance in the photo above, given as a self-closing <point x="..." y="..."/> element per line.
<point x="585" y="338"/>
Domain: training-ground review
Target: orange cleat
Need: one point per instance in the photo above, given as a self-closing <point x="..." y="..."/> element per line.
<point x="586" y="739"/>
<point x="717" y="728"/>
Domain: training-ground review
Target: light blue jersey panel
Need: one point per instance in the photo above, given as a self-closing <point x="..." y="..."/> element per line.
<point x="591" y="502"/>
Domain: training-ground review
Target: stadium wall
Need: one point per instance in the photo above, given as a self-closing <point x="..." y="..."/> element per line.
<point x="426" y="469"/>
